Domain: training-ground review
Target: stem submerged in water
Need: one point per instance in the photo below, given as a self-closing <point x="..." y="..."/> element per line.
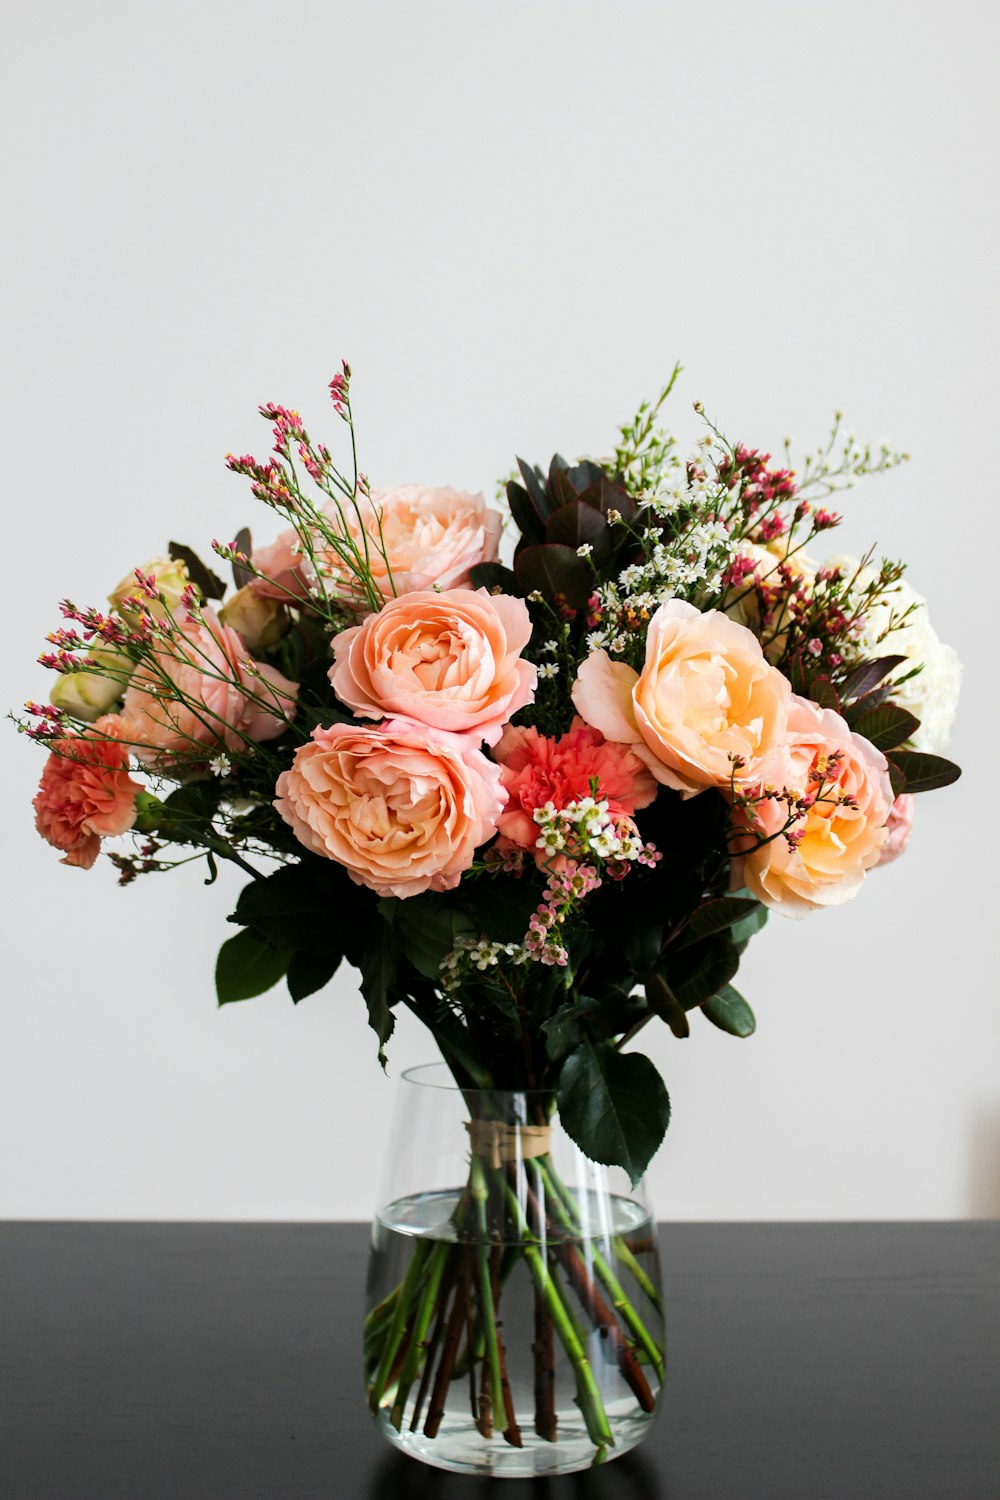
<point x="443" y="1319"/>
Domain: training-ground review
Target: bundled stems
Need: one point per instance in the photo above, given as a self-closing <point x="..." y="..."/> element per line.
<point x="443" y="1320"/>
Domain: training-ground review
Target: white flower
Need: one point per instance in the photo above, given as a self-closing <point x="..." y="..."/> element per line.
<point x="932" y="695"/>
<point x="220" y="766"/>
<point x="584" y="550"/>
<point x="548" y="669"/>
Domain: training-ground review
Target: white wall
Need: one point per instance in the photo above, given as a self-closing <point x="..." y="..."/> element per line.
<point x="512" y="219"/>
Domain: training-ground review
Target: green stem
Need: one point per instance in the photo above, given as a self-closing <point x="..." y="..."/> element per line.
<point x="557" y="1196"/>
<point x="400" y="1317"/>
<point x="591" y="1403"/>
<point x="422" y="1321"/>
<point x="486" y="1308"/>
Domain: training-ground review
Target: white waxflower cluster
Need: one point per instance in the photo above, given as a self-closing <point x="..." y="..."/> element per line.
<point x="585" y="827"/>
<point x="478" y="953"/>
<point x="687" y="566"/>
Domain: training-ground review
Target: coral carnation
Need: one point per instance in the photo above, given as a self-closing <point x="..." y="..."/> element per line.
<point x="536" y="770"/>
<point x="86" y="793"/>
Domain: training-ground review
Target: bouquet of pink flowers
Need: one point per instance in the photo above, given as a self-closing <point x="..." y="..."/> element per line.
<point x="540" y="803"/>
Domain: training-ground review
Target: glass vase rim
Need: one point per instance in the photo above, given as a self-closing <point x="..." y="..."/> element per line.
<point x="445" y="1082"/>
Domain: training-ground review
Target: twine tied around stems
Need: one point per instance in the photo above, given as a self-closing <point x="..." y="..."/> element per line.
<point x="500" y="1143"/>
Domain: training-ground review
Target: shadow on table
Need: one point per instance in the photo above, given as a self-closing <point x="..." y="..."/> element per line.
<point x="630" y="1477"/>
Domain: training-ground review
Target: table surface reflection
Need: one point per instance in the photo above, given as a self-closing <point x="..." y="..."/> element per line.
<point x="219" y="1362"/>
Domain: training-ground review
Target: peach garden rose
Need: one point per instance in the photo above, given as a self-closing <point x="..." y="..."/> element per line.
<point x="838" y="837"/>
<point x="704" y="695"/>
<point x="450" y="659"/>
<point x="401" y="806"/>
<point x="415" y="537"/>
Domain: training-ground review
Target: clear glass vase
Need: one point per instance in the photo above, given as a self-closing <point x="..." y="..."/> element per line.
<point x="514" y="1317"/>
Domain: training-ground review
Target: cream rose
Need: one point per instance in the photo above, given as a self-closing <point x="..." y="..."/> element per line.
<point x="842" y="832"/>
<point x="401" y="806"/>
<point x="451" y="660"/>
<point x="258" y="618"/>
<point x="416" y="538"/>
<point x="932" y="695"/>
<point x="170" y="576"/>
<point x="705" y="694"/>
<point x="92" y="692"/>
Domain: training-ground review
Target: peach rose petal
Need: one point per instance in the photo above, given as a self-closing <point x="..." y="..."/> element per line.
<point x="836" y="843"/>
<point x="602" y="695"/>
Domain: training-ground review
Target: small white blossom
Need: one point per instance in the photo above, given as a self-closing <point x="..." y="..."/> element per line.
<point x="548" y="669"/>
<point x="220" y="765"/>
<point x="584" y="550"/>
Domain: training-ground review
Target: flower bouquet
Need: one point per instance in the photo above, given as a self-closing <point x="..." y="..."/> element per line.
<point x="541" y="803"/>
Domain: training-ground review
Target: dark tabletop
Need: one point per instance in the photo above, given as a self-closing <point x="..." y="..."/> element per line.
<point x="220" y="1362"/>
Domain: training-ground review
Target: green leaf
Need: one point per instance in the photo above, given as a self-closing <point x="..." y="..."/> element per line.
<point x="868" y="675"/>
<point x="576" y="524"/>
<point x="555" y="570"/>
<point x="716" y="916"/>
<point x="852" y="712"/>
<point x="528" y="517"/>
<point x="614" y="1105"/>
<point x="492" y="576"/>
<point x="664" y="1003"/>
<point x="534" y="483"/>
<point x="742" y="931"/>
<point x="700" y="971"/>
<point x="502" y="908"/>
<point x="428" y="927"/>
<point x="309" y="972"/>
<point x="378" y="975"/>
<point x="289" y="908"/>
<point x="823" y="693"/>
<point x="922" y="772"/>
<point x="242" y="575"/>
<point x="208" y="584"/>
<point x="246" y="967"/>
<point x="886" y="726"/>
<point x="730" y="1012"/>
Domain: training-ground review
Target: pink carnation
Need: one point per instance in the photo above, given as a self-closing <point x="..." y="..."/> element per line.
<point x="210" y="693"/>
<point x="536" y="770"/>
<point x="86" y="793"/>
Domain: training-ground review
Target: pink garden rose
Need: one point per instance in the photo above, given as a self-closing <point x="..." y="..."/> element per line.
<point x="705" y="693"/>
<point x="535" y="770"/>
<point x="898" y="828"/>
<point x="401" y="806"/>
<point x="282" y="564"/>
<point x="451" y="660"/>
<point x="211" y="693"/>
<point x="418" y="538"/>
<point x="86" y="793"/>
<point x="842" y="833"/>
